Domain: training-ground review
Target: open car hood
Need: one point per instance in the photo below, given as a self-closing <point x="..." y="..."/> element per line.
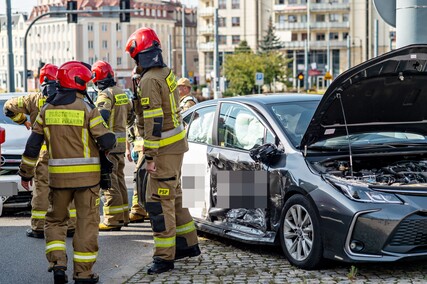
<point x="387" y="93"/>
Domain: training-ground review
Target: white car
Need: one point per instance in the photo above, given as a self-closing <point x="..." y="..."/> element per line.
<point x="12" y="194"/>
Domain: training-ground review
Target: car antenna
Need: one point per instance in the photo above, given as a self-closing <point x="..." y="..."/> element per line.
<point x="338" y="96"/>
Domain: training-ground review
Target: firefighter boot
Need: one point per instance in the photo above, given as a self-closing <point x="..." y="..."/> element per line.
<point x="35" y="234"/>
<point x="160" y="265"/>
<point x="93" y="279"/>
<point x="136" y="218"/>
<point x="103" y="227"/>
<point x="190" y="252"/>
<point x="59" y="275"/>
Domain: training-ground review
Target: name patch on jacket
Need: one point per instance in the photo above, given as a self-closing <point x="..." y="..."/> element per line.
<point x="145" y="101"/>
<point x="121" y="99"/>
<point x="171" y="81"/>
<point x="64" y="117"/>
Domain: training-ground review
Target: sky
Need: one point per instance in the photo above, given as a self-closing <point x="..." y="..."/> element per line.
<point x="27" y="5"/>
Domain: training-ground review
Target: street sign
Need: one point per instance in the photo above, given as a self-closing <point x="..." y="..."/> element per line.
<point x="328" y="76"/>
<point x="259" y="78"/>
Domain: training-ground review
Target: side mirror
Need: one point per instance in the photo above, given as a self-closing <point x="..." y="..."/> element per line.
<point x="267" y="154"/>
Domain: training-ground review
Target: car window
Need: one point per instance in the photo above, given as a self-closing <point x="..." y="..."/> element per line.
<point x="239" y="128"/>
<point x="200" y="128"/>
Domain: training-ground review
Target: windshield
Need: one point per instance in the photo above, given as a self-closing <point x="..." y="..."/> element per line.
<point x="294" y="118"/>
<point x="372" y="139"/>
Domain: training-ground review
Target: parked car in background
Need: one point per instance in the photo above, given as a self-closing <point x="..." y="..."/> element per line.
<point x="13" y="196"/>
<point x="341" y="176"/>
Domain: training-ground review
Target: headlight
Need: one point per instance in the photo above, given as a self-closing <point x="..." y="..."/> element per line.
<point x="364" y="194"/>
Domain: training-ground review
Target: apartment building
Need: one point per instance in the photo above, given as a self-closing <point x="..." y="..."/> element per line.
<point x="18" y="31"/>
<point x="99" y="35"/>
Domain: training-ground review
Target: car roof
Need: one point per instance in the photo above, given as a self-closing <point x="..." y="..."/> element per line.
<point x="269" y="98"/>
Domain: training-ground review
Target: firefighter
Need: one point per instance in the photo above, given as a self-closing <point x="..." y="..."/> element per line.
<point x="75" y="135"/>
<point x="186" y="100"/>
<point x="165" y="143"/>
<point x="116" y="109"/>
<point x="17" y="109"/>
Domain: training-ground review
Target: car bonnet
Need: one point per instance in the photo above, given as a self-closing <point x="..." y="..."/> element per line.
<point x="387" y="93"/>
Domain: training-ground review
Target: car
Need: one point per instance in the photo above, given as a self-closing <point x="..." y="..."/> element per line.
<point x="341" y="176"/>
<point x="12" y="194"/>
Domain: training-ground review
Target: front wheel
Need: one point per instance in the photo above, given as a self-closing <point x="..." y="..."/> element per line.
<point x="300" y="233"/>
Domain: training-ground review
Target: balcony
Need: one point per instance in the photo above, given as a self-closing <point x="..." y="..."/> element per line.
<point x="291" y="26"/>
<point x="334" y="44"/>
<point x="325" y="7"/>
<point x="206" y="12"/>
<point x="206" y="46"/>
<point x="207" y="30"/>
<point x="313" y="26"/>
<point x="292" y="8"/>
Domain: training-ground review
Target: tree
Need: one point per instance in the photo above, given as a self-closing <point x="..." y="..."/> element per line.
<point x="270" y="42"/>
<point x="243" y="47"/>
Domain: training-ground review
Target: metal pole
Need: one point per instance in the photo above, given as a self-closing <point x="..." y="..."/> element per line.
<point x="170" y="51"/>
<point x="328" y="51"/>
<point x="306" y="64"/>
<point x="216" y="56"/>
<point x="410" y="22"/>
<point x="11" y="66"/>
<point x="308" y="25"/>
<point x="376" y="38"/>
<point x="184" y="49"/>
<point x="348" y="52"/>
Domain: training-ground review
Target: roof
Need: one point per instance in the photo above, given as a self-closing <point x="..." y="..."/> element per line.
<point x="271" y="99"/>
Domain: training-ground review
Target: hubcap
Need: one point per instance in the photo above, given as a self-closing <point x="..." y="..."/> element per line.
<point x="298" y="232"/>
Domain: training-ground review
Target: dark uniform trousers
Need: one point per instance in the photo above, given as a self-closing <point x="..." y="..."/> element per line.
<point x="116" y="208"/>
<point x="85" y="241"/>
<point x="40" y="201"/>
<point x="173" y="226"/>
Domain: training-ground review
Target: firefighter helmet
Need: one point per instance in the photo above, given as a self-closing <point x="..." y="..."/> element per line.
<point x="48" y="73"/>
<point x="74" y="75"/>
<point x="101" y="70"/>
<point x="142" y="40"/>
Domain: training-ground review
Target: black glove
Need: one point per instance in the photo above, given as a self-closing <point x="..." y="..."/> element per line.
<point x="106" y="170"/>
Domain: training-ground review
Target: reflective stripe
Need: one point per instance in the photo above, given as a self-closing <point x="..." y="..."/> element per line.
<point x="69" y="117"/>
<point x="172" y="132"/>
<point x="39" y="120"/>
<point x="102" y="101"/>
<point x="85" y="141"/>
<point x="164" y="242"/>
<point x="95" y="121"/>
<point x="41" y="103"/>
<point x="74" y="169"/>
<point x="47" y="137"/>
<point x="19" y="117"/>
<point x="43" y="148"/>
<point x="173" y="110"/>
<point x="172" y="139"/>
<point x="38" y="214"/>
<point x="151" y="144"/>
<point x="186" y="228"/>
<point x="111" y="120"/>
<point x="135" y="199"/>
<point x="20" y="102"/>
<point x="171" y="81"/>
<point x="73" y="213"/>
<point x="84" y="256"/>
<point x="157" y="112"/>
<point x="28" y="161"/>
<point x="55" y="245"/>
<point x="113" y="209"/>
<point x="138" y="142"/>
<point x="73" y="161"/>
<point x="125" y="207"/>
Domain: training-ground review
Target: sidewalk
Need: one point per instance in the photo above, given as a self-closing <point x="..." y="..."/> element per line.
<point x="225" y="261"/>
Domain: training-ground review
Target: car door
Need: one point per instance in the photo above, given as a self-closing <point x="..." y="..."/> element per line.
<point x="195" y="169"/>
<point x="238" y="192"/>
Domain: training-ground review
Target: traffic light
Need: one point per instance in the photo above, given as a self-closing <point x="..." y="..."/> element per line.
<point x="71" y="6"/>
<point x="300" y="79"/>
<point x="124" y="16"/>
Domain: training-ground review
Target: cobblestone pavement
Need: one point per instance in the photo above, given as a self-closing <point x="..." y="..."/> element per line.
<point x="224" y="261"/>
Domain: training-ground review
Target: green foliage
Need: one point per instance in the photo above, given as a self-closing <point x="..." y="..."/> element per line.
<point x="243" y="47"/>
<point x="270" y="42"/>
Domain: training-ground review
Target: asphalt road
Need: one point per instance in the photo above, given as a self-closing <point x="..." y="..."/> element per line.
<point x="121" y="254"/>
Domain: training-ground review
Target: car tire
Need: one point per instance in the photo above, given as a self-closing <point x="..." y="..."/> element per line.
<point x="300" y="236"/>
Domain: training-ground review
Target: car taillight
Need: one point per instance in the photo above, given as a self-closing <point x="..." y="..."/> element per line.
<point x="2" y="135"/>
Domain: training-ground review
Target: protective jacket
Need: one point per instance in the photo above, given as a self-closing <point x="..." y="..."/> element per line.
<point x="70" y="128"/>
<point x="17" y="108"/>
<point x="164" y="132"/>
<point x="116" y="109"/>
<point x="186" y="102"/>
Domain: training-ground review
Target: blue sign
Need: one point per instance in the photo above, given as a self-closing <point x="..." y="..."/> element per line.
<point x="259" y="78"/>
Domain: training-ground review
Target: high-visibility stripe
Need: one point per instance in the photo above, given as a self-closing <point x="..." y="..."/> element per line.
<point x="65" y="117"/>
<point x="104" y="100"/>
<point x="95" y="121"/>
<point x="172" y="139"/>
<point x="157" y="112"/>
<point x="164" y="242"/>
<point x="171" y="81"/>
<point x="151" y="144"/>
<point x="19" y="117"/>
<point x="172" y="132"/>
<point x="41" y="103"/>
<point x="111" y="120"/>
<point x="125" y="207"/>
<point x="186" y="228"/>
<point x="113" y="209"/>
<point x="55" y="245"/>
<point x="73" y="213"/>
<point x="20" y="102"/>
<point x="84" y="256"/>
<point x="73" y="161"/>
<point x="85" y="140"/>
<point x="173" y="110"/>
<point x="74" y="169"/>
<point x="43" y="148"/>
<point x="121" y="140"/>
<point x="39" y="120"/>
<point x="135" y="199"/>
<point x="47" y="139"/>
<point x="28" y="161"/>
<point x="35" y="214"/>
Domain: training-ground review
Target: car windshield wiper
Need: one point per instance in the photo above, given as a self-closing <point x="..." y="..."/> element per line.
<point x="389" y="145"/>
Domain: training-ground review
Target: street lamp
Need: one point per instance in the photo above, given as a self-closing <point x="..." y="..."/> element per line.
<point x="184" y="47"/>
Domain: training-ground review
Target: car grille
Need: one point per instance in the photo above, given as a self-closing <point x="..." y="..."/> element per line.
<point x="10" y="162"/>
<point x="411" y="232"/>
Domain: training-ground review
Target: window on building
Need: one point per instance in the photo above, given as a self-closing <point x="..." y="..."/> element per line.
<point x="118" y="27"/>
<point x="344" y="35"/>
<point x="222" y="4"/>
<point x="292" y="1"/>
<point x="292" y="18"/>
<point x="118" y="44"/>
<point x="334" y="17"/>
<point x="119" y="61"/>
<point x="334" y="36"/>
<point x="90" y="44"/>
<point x="320" y="36"/>
<point x="222" y="39"/>
<point x="153" y="12"/>
<point x="345" y="17"/>
<point x="235" y="21"/>
<point x="303" y="36"/>
<point x="91" y="60"/>
<point x="105" y="44"/>
<point x="104" y="27"/>
<point x="235" y="39"/>
<point x="294" y="37"/>
<point x="280" y="2"/>
<point x="235" y="4"/>
<point x="320" y="18"/>
<point x="222" y="22"/>
<point x="281" y="19"/>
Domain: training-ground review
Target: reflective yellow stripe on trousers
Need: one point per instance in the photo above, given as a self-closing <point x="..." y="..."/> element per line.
<point x="164" y="242"/>
<point x="84" y="256"/>
<point x="38" y="214"/>
<point x="186" y="228"/>
<point x="55" y="245"/>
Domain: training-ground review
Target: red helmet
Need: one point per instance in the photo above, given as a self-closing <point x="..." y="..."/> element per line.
<point x="48" y="72"/>
<point x="101" y="70"/>
<point x="141" y="40"/>
<point x="74" y="75"/>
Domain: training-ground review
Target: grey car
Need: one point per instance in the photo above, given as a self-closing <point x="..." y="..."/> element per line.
<point x="341" y="176"/>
